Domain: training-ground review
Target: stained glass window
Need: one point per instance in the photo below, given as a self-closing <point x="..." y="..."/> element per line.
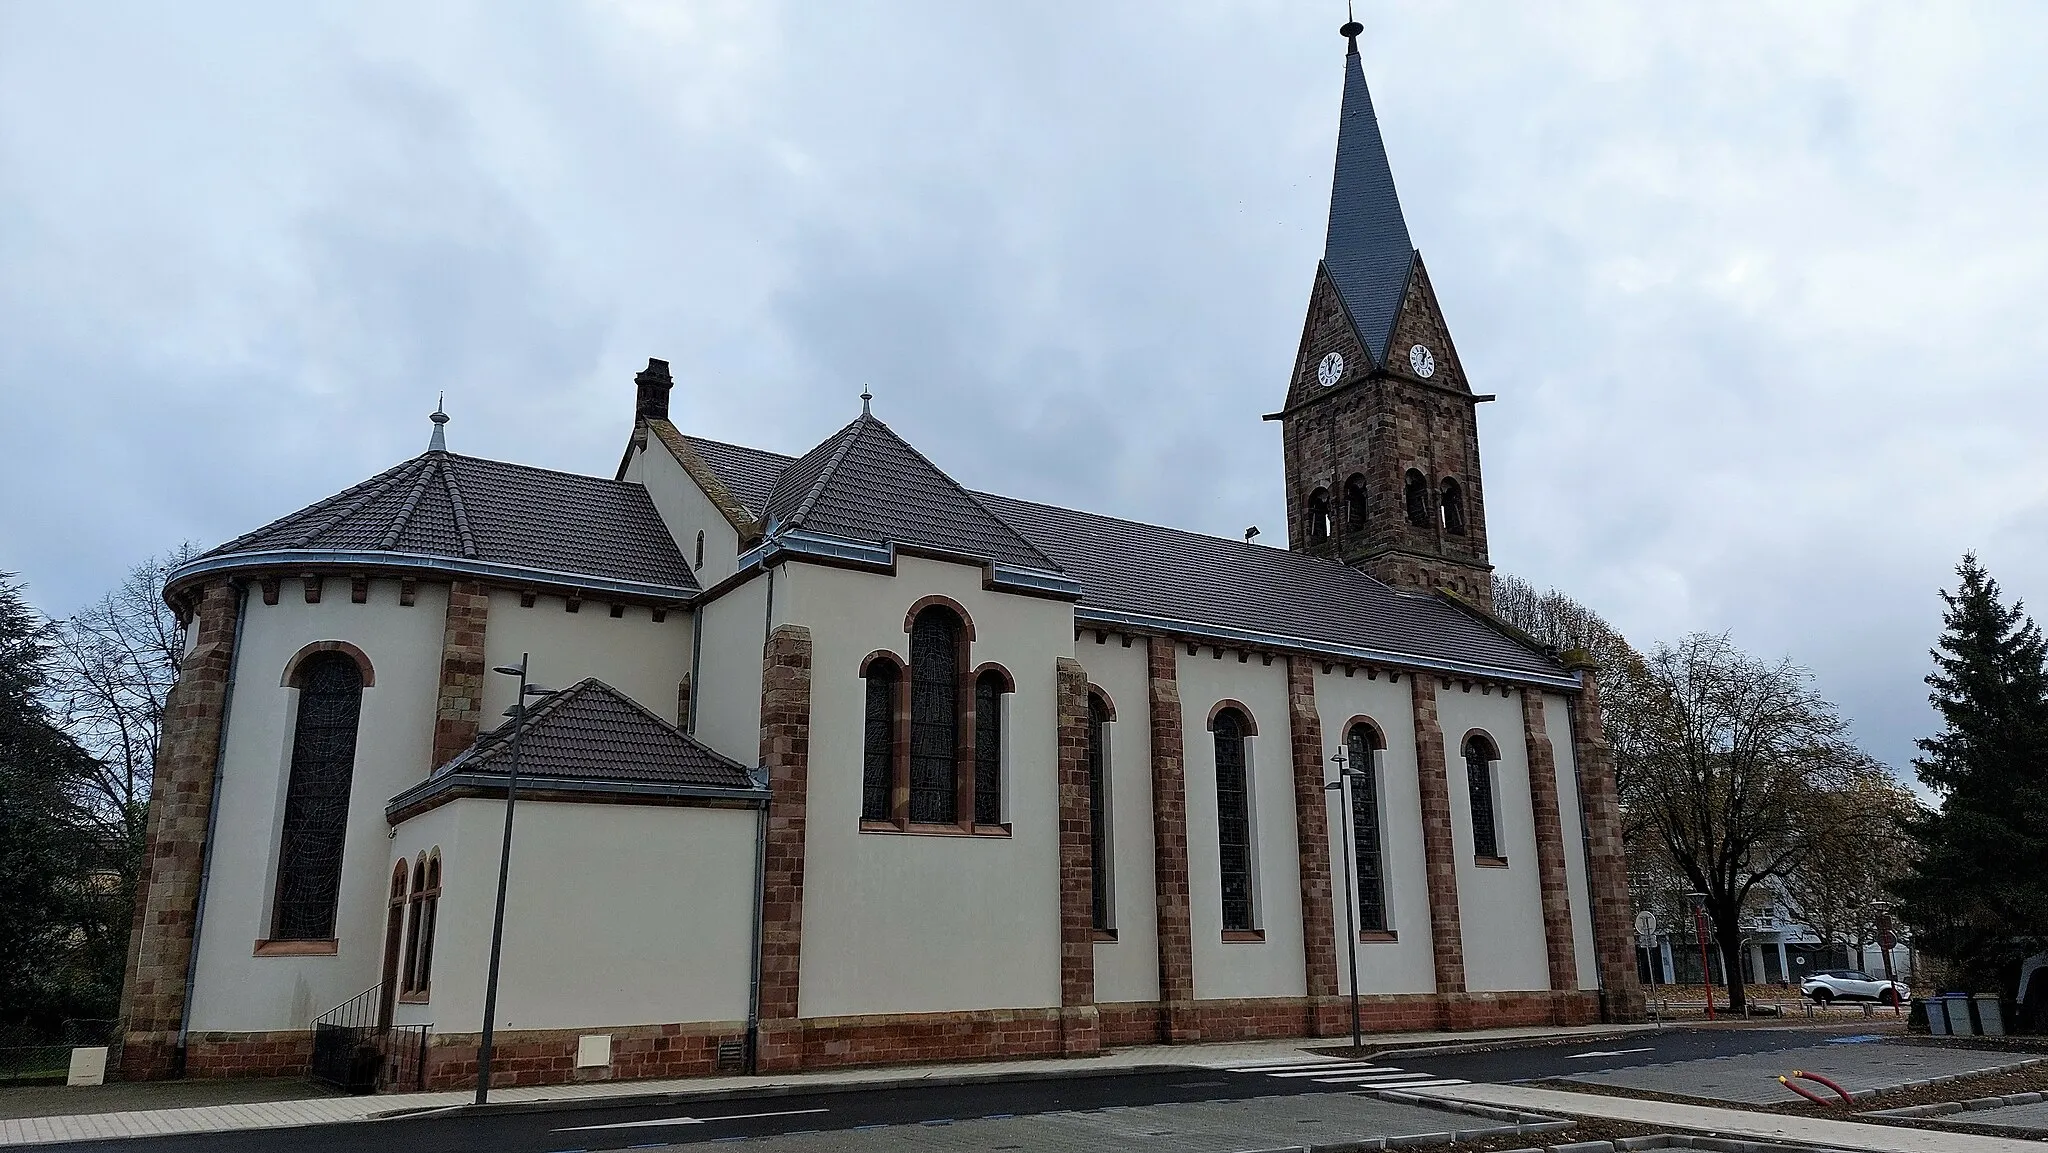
<point x="988" y="748"/>
<point x="1367" y="850"/>
<point x="430" y="903"/>
<point x="1233" y="821"/>
<point x="878" y="759"/>
<point x="1479" y="778"/>
<point x="316" y="798"/>
<point x="1098" y="808"/>
<point x="934" y="716"/>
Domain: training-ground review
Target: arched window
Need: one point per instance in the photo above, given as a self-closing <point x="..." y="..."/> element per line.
<point x="1454" y="507"/>
<point x="1098" y="811"/>
<point x="430" y="908"/>
<point x="1233" y="820"/>
<point x="1355" y="507"/>
<point x="394" y="936"/>
<point x="316" y="797"/>
<point x="700" y="548"/>
<point x="1318" y="516"/>
<point x="1479" y="759"/>
<point x="410" y="982"/>
<point x="935" y="716"/>
<point x="989" y="688"/>
<point x="878" y="744"/>
<point x="1367" y="845"/>
<point x="1415" y="494"/>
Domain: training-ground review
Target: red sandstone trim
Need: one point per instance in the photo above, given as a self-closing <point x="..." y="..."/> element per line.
<point x="1251" y="723"/>
<point x="458" y="709"/>
<point x="1312" y="830"/>
<point x="1447" y="938"/>
<point x="362" y="660"/>
<point x="1108" y="702"/>
<point x="786" y="753"/>
<point x="1078" y="1033"/>
<point x="1550" y="870"/>
<point x="923" y="603"/>
<point x="327" y="947"/>
<point x="1009" y="682"/>
<point x="1170" y="846"/>
<point x="1606" y="867"/>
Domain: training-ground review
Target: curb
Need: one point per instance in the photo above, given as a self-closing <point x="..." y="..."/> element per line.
<point x="682" y="1096"/>
<point x="1942" y="1108"/>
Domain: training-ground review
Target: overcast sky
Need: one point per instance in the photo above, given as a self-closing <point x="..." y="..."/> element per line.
<point x="1759" y="286"/>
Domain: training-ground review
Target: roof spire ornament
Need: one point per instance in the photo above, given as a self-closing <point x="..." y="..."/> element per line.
<point x="1351" y="28"/>
<point x="865" y="398"/>
<point x="439" y="442"/>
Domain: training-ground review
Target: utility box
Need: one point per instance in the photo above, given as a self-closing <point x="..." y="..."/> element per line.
<point x="1990" y="1021"/>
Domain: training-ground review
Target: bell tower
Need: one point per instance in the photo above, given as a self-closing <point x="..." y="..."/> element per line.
<point x="1380" y="431"/>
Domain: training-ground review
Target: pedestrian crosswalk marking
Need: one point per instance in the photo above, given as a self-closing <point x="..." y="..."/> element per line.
<point x="1361" y="1075"/>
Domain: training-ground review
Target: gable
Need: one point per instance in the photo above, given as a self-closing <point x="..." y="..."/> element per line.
<point x="1421" y="321"/>
<point x="1326" y="329"/>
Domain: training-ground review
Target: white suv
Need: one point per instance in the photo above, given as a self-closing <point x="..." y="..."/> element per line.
<point x="1852" y="985"/>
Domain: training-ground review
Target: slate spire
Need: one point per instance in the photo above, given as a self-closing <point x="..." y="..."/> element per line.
<point x="1368" y="253"/>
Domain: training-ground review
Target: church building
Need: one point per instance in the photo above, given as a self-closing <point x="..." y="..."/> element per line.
<point x="829" y="760"/>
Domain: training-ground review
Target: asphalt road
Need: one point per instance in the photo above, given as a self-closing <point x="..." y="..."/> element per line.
<point x="1536" y="1062"/>
<point x="600" y="1126"/>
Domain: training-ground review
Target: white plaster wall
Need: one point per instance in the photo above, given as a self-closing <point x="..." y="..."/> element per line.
<point x="1272" y="967"/>
<point x="1127" y="969"/>
<point x="1406" y="964"/>
<point x="727" y="686"/>
<point x="235" y="990"/>
<point x="686" y="511"/>
<point x="1557" y="721"/>
<point x="904" y="923"/>
<point x="642" y="659"/>
<point x="1499" y="910"/>
<point x="615" y="915"/>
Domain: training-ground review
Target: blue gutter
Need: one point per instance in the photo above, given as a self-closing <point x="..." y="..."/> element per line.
<point x="371" y="559"/>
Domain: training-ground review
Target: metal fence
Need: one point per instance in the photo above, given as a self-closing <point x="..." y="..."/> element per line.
<point x="356" y="1053"/>
<point x="31" y="1056"/>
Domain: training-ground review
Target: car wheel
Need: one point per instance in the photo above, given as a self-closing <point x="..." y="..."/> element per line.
<point x="1822" y="996"/>
<point x="1890" y="998"/>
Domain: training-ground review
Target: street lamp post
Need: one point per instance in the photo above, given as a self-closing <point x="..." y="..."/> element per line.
<point x="1345" y="773"/>
<point x="518" y="714"/>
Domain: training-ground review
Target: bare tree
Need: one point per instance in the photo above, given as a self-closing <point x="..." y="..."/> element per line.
<point x="1722" y="761"/>
<point x="115" y="661"/>
<point x="1858" y="846"/>
<point x="1555" y="619"/>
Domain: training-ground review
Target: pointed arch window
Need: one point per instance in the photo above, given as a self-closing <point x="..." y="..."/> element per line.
<point x="1480" y="759"/>
<point x="409" y="982"/>
<point x="316" y="801"/>
<point x="394" y="939"/>
<point x="1098" y="814"/>
<point x="1234" y="820"/>
<point x="1355" y="507"/>
<point x="1415" y="495"/>
<point x="935" y="716"/>
<point x="878" y="741"/>
<point x="1367" y="840"/>
<point x="430" y="915"/>
<point x="1454" y="507"/>
<point x="1317" y="516"/>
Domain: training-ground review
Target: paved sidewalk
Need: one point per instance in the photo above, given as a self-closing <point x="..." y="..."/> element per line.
<point x="1819" y="1131"/>
<point x="321" y="1110"/>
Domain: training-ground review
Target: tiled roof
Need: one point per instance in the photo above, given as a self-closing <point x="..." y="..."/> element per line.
<point x="592" y="732"/>
<point x="864" y="483"/>
<point x="1209" y="582"/>
<point x="1367" y="252"/>
<point x="464" y="508"/>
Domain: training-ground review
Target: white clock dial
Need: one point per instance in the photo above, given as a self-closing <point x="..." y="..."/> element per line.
<point x="1422" y="362"/>
<point x="1331" y="370"/>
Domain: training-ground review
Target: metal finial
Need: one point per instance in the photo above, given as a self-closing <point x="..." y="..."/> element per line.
<point x="1351" y="27"/>
<point x="865" y="398"/>
<point x="439" y="442"/>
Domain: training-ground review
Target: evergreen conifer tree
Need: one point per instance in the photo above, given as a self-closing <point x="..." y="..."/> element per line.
<point x="1977" y="896"/>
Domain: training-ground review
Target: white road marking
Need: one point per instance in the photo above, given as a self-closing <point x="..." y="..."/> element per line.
<point x="1376" y="1078"/>
<point x="689" y="1120"/>
<point x="1347" y="1067"/>
<point x="1610" y="1053"/>
<point x="1278" y="1066"/>
<point x="1421" y="1084"/>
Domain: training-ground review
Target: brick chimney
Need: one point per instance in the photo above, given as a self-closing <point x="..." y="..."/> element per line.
<point x="652" y="385"/>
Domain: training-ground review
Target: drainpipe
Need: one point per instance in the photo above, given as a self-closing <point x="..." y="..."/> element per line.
<point x="220" y="756"/>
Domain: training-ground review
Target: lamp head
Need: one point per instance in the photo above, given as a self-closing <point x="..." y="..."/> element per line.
<point x="510" y="670"/>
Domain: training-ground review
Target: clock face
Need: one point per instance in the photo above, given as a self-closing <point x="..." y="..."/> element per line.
<point x="1331" y="370"/>
<point x="1422" y="362"/>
